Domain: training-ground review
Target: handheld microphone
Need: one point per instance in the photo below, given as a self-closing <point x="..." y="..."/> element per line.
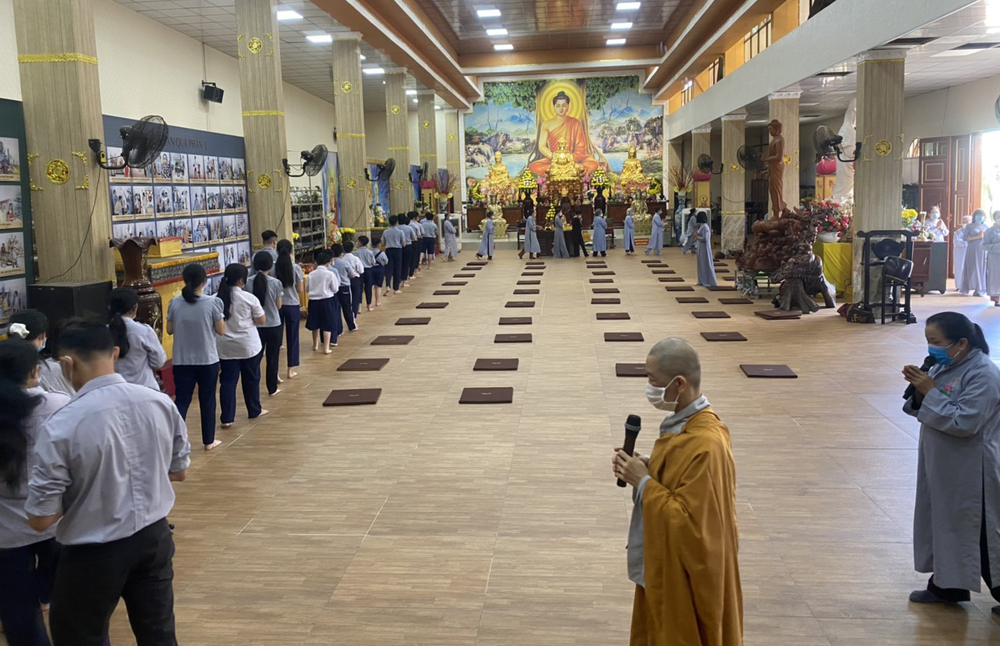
<point x="632" y="426"/>
<point x="928" y="363"/>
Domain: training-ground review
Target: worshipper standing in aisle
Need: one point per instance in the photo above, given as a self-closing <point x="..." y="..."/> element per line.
<point x="655" y="243"/>
<point x="599" y="238"/>
<point x="345" y="272"/>
<point x="450" y="240"/>
<point x="194" y="320"/>
<point x="270" y="240"/>
<point x="531" y="246"/>
<point x="289" y="273"/>
<point x="103" y="465"/>
<point x="576" y="235"/>
<point x="683" y="540"/>
<point x="487" y="244"/>
<point x="991" y="243"/>
<point x="960" y="247"/>
<point x="405" y="237"/>
<point x="629" y="232"/>
<point x="139" y="349"/>
<point x="935" y="227"/>
<point x="974" y="267"/>
<point x="268" y="291"/>
<point x="416" y="241"/>
<point x="956" y="521"/>
<point x="367" y="259"/>
<point x="393" y="240"/>
<point x="27" y="557"/>
<point x="241" y="347"/>
<point x="429" y="234"/>
<point x="559" y="249"/>
<point x="323" y="285"/>
<point x="357" y="279"/>
<point x="378" y="270"/>
<point x="706" y="267"/>
<point x="688" y="241"/>
<point x="32" y="326"/>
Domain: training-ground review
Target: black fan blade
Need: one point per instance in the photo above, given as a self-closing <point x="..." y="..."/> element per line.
<point x="314" y="166"/>
<point x="389" y="166"/>
<point x="144" y="141"/>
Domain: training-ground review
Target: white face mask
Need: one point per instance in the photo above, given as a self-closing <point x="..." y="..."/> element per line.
<point x="655" y="397"/>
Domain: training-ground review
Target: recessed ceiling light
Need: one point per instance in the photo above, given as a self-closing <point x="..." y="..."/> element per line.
<point x="414" y="100"/>
<point x="615" y="41"/>
<point x="496" y="32"/>
<point x="621" y="25"/>
<point x="489" y="13"/>
<point x="411" y="93"/>
<point x="437" y="107"/>
<point x="374" y="71"/>
<point x="320" y="38"/>
<point x="288" y="14"/>
<point x="503" y="47"/>
<point x="628" y="6"/>
<point x="363" y="57"/>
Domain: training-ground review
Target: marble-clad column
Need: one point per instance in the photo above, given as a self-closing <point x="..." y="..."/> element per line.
<point x="60" y="88"/>
<point x="398" y="142"/>
<point x="785" y="108"/>
<point x="733" y="183"/>
<point x="350" y="111"/>
<point x="701" y="144"/>
<point x="263" y="103"/>
<point x="427" y="136"/>
<point x="453" y="141"/>
<point x="879" y="173"/>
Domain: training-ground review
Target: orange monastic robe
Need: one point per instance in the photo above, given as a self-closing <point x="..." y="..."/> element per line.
<point x="692" y="595"/>
<point x="576" y="143"/>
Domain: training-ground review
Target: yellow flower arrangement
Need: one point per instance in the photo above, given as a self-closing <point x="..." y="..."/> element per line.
<point x="295" y="237"/>
<point x="347" y="230"/>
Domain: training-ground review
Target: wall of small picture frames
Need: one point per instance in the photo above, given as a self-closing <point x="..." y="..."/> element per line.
<point x="16" y="268"/>
<point x="195" y="190"/>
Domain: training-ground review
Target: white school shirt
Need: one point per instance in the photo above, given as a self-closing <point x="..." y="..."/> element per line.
<point x="241" y="340"/>
<point x="145" y="354"/>
<point x="323" y="282"/>
<point x="355" y="262"/>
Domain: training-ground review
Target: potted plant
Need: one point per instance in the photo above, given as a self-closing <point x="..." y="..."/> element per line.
<point x="833" y="220"/>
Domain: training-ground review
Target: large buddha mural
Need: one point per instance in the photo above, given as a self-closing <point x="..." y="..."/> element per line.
<point x="599" y="119"/>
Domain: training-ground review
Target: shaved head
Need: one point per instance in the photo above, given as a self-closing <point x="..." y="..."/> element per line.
<point x="672" y="358"/>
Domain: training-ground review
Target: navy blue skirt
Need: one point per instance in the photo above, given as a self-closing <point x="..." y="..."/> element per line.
<point x="378" y="275"/>
<point x="323" y="315"/>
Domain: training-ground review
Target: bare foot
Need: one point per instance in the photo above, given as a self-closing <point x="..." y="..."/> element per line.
<point x="280" y="380"/>
<point x="327" y="351"/>
<point x="209" y="447"/>
<point x="371" y="308"/>
<point x="396" y="292"/>
<point x="292" y="374"/>
<point x="315" y="348"/>
<point x="229" y="425"/>
<point x="45" y="607"/>
<point x="275" y="392"/>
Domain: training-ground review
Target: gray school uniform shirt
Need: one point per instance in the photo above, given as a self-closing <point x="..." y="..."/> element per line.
<point x="104" y="459"/>
<point x="392" y="237"/>
<point x="194" y="330"/>
<point x="636" y="562"/>
<point x="366" y="256"/>
<point x="145" y="354"/>
<point x="429" y="229"/>
<point x="290" y="294"/>
<point x="343" y="269"/>
<point x="272" y="317"/>
<point x="14" y="529"/>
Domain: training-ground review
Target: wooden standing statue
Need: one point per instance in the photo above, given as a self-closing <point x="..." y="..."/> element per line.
<point x="775" y="161"/>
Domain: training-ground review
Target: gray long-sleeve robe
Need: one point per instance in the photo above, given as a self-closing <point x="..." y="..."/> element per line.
<point x="559" y="249"/>
<point x="629" y="233"/>
<point x="599" y="240"/>
<point x="974" y="268"/>
<point x="531" y="236"/>
<point x="486" y="246"/>
<point x="991" y="243"/>
<point x="656" y="235"/>
<point x="450" y="239"/>
<point x="960" y="246"/>
<point x="703" y="248"/>
<point x="958" y="462"/>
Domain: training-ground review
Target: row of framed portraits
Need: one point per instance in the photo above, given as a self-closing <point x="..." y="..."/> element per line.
<point x="11" y="213"/>
<point x="10" y="159"/>
<point x="194" y="232"/>
<point x="141" y="201"/>
<point x="181" y="168"/>
<point x="228" y="254"/>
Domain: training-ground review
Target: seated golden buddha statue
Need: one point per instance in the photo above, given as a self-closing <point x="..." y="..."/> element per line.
<point x="499" y="177"/>
<point x="632" y="170"/>
<point x="563" y="167"/>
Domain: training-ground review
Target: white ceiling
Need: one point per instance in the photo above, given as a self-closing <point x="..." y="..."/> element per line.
<point x="303" y="64"/>
<point x="823" y="98"/>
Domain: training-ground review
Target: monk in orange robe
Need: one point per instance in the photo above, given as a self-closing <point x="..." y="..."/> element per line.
<point x="563" y="126"/>
<point x="683" y="543"/>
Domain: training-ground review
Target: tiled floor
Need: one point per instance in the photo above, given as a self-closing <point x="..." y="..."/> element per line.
<point x="419" y="521"/>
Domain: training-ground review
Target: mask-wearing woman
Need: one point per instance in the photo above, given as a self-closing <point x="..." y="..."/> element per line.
<point x="974" y="269"/>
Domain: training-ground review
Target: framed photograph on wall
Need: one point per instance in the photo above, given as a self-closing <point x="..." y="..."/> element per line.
<point x="123" y="230"/>
<point x="10" y="159"/>
<point x="200" y="233"/>
<point x="243" y="252"/>
<point x="11" y="253"/>
<point x="225" y="170"/>
<point x="180" y="172"/>
<point x="215" y="229"/>
<point x="239" y="170"/>
<point x="240" y="197"/>
<point x="145" y="229"/>
<point x="115" y="159"/>
<point x="242" y="226"/>
<point x="228" y="200"/>
<point x="122" y="205"/>
<point x="211" y="169"/>
<point x="213" y="198"/>
<point x="198" y="204"/>
<point x="11" y="213"/>
<point x="182" y="200"/>
<point x="164" y="199"/>
<point x="13" y="298"/>
<point x="184" y="231"/>
<point x="163" y="168"/>
<point x="167" y="229"/>
<point x="143" y="196"/>
<point x="229" y="228"/>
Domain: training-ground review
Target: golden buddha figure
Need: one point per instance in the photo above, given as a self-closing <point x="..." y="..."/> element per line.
<point x="632" y="169"/>
<point x="498" y="179"/>
<point x="563" y="167"/>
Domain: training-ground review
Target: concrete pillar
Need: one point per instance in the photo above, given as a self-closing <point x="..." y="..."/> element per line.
<point x="453" y="140"/>
<point x="701" y="144"/>
<point x="879" y="176"/>
<point x="785" y="108"/>
<point x="60" y="88"/>
<point x="396" y="115"/>
<point x="733" y="183"/>
<point x="427" y="136"/>
<point x="263" y="105"/>
<point x="350" y="110"/>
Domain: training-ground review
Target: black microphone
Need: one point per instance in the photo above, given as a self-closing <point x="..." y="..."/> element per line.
<point x="632" y="426"/>
<point x="928" y="363"/>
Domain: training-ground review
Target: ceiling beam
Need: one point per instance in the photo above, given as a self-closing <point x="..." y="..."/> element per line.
<point x="557" y="61"/>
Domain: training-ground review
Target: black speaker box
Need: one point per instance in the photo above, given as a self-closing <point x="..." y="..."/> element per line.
<point x="61" y="301"/>
<point x="212" y="93"/>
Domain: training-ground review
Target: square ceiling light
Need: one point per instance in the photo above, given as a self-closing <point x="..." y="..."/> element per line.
<point x="320" y="39"/>
<point x="503" y="47"/>
<point x="373" y="71"/>
<point x="615" y="41"/>
<point x="285" y="15"/>
<point x="488" y="13"/>
<point x="621" y="25"/>
<point x="411" y="93"/>
<point x="628" y="6"/>
<point x="496" y="32"/>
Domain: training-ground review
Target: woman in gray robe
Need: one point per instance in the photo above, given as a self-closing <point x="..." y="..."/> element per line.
<point x="703" y="238"/>
<point x="599" y="239"/>
<point x="690" y="242"/>
<point x="956" y="521"/>
<point x="487" y="244"/>
<point x="629" y="232"/>
<point x="531" y="246"/>
<point x="991" y="243"/>
<point x="559" y="249"/>
<point x="450" y="240"/>
<point x="974" y="269"/>
<point x="959" y="258"/>
<point x="656" y="235"/>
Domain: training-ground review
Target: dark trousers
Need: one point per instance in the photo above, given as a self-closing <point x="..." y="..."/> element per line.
<point x="344" y="298"/>
<point x="428" y="244"/>
<point x="206" y="378"/>
<point x="407" y="250"/>
<point x="368" y="279"/>
<point x="26" y="576"/>
<point x="578" y="243"/>
<point x="957" y="594"/>
<point x="356" y="295"/>
<point x="394" y="267"/>
<point x="91" y="579"/>
<point x="414" y="257"/>
<point x="247" y="372"/>
<point x="270" y="339"/>
<point x="291" y="318"/>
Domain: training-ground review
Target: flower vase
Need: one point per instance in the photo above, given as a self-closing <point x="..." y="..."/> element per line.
<point x="828" y="236"/>
<point x="134" y="260"/>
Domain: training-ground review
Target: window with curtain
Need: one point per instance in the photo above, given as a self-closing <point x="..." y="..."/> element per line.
<point x="758" y="39"/>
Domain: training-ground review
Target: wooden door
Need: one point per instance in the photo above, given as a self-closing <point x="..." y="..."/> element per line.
<point x="936" y="182"/>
